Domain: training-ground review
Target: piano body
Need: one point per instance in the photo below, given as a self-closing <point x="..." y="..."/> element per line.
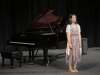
<point x="43" y="32"/>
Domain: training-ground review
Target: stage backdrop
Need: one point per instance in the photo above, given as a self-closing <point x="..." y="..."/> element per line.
<point x="17" y="14"/>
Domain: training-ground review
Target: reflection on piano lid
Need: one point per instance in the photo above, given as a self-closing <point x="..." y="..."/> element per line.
<point x="21" y="43"/>
<point x="48" y="33"/>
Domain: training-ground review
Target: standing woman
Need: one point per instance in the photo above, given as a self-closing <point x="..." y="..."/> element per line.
<point x="73" y="50"/>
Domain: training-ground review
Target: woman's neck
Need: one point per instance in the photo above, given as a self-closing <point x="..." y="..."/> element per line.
<point x="73" y="23"/>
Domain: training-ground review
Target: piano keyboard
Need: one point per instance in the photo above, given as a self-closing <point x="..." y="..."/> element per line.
<point x="12" y="42"/>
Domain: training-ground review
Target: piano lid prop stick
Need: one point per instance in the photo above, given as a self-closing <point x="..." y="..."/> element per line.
<point x="49" y="25"/>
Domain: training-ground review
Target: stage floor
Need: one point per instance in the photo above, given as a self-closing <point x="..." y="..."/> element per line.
<point x="89" y="65"/>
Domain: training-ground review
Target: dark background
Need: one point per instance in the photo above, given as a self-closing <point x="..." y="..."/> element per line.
<point x="17" y="14"/>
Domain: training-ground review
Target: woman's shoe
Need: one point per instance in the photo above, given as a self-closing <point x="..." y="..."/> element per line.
<point x="71" y="70"/>
<point x="75" y="70"/>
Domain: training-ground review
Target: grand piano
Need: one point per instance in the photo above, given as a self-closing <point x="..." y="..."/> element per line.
<point x="43" y="32"/>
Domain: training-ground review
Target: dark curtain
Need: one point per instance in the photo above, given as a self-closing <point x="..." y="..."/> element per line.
<point x="17" y="14"/>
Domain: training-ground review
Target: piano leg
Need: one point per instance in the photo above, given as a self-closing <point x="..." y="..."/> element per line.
<point x="20" y="62"/>
<point x="2" y="61"/>
<point x="12" y="62"/>
<point x="46" y="62"/>
<point x="31" y="56"/>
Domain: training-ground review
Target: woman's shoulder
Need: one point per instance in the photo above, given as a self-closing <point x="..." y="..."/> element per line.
<point x="78" y="24"/>
<point x="68" y="24"/>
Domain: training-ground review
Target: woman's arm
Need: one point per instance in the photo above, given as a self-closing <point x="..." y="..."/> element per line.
<point x="80" y="40"/>
<point x="68" y="39"/>
<point x="68" y="35"/>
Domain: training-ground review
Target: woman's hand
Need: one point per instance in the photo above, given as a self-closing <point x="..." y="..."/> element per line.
<point x="80" y="45"/>
<point x="70" y="45"/>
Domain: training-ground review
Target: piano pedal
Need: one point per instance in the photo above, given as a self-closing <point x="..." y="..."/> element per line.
<point x="30" y="63"/>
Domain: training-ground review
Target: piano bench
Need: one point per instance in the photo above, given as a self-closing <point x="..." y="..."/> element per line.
<point x="11" y="55"/>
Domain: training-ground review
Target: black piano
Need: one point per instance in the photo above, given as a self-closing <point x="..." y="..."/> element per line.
<point x="43" y="32"/>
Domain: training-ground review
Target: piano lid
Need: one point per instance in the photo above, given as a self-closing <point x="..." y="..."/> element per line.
<point x="44" y="21"/>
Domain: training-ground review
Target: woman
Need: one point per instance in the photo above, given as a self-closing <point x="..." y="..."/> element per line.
<point x="73" y="50"/>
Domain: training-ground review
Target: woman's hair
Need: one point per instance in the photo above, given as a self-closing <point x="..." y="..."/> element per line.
<point x="70" y="16"/>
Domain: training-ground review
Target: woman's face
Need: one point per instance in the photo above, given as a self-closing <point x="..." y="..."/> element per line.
<point x="73" y="19"/>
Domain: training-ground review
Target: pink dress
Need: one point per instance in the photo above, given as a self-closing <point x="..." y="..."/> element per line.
<point x="73" y="54"/>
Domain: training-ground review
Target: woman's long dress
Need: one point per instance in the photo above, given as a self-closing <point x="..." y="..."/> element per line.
<point x="73" y="54"/>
